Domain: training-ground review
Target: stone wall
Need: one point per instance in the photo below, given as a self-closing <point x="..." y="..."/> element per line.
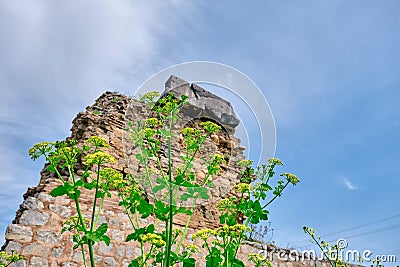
<point x="36" y="230"/>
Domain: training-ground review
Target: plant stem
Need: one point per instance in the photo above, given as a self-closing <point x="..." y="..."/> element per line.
<point x="90" y="242"/>
<point x="170" y="215"/>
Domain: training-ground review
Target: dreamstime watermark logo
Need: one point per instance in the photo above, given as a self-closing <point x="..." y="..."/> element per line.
<point x="342" y="253"/>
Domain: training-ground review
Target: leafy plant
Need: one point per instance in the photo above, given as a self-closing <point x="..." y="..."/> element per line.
<point x="64" y="155"/>
<point x="8" y="258"/>
<point x="173" y="189"/>
<point x="223" y="244"/>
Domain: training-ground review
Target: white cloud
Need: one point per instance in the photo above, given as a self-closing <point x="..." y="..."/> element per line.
<point x="348" y="184"/>
<point x="58" y="56"/>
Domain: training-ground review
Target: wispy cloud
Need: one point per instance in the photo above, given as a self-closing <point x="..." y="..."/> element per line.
<point x="57" y="58"/>
<point x="348" y="184"/>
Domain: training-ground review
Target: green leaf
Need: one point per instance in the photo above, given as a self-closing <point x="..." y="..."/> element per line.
<point x="191" y="262"/>
<point x="145" y="208"/>
<point x="101" y="230"/>
<point x="89" y="186"/>
<point x="78" y="183"/>
<point x="158" y="188"/>
<point x="58" y="191"/>
<point x="130" y="237"/>
<point x="237" y="263"/>
<point x="106" y="239"/>
<point x="134" y="263"/>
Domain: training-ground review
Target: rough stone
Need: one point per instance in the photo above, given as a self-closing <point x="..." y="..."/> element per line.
<point x="104" y="249"/>
<point x="30" y="217"/>
<point x="62" y="200"/>
<point x="121" y="250"/>
<point x="45" y="197"/>
<point x="113" y="222"/>
<point x="60" y="210"/>
<point x="57" y="252"/>
<point x="33" y="203"/>
<point x="48" y="236"/>
<point x="38" y="262"/>
<point x="69" y="264"/>
<point x="19" y="233"/>
<point x="110" y="261"/>
<point x="13" y="246"/>
<point x="35" y="249"/>
<point x="118" y="235"/>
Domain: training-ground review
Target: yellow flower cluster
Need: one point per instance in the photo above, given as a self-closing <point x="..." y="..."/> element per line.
<point x="243" y="187"/>
<point x="210" y="127"/>
<point x="259" y="260"/>
<point x="275" y="161"/>
<point x="113" y="178"/>
<point x="191" y="249"/>
<point x="149" y="132"/>
<point x="218" y="158"/>
<point x="97" y="141"/>
<point x="246" y="163"/>
<point x="153" y="239"/>
<point x="152" y="122"/>
<point x="225" y="204"/>
<point x="41" y="149"/>
<point x="187" y="130"/>
<point x="233" y="231"/>
<point x="291" y="178"/>
<point x="9" y="258"/>
<point x="204" y="234"/>
<point x="98" y="158"/>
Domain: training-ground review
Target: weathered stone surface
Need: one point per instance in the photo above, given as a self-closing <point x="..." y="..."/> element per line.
<point x="62" y="200"/>
<point x="48" y="236"/>
<point x="57" y="252"/>
<point x="69" y="264"/>
<point x="30" y="217"/>
<point x="104" y="249"/>
<point x="35" y="249"/>
<point x="19" y="233"/>
<point x="15" y="246"/>
<point x="33" y="204"/>
<point x="61" y="210"/>
<point x="38" y="262"/>
<point x="118" y="235"/>
<point x="110" y="261"/>
<point x="45" y="197"/>
<point x="121" y="250"/>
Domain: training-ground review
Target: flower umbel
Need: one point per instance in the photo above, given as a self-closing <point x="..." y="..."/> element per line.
<point x="99" y="157"/>
<point x="204" y="234"/>
<point x="153" y="239"/>
<point x="291" y="178"/>
<point x="243" y="187"/>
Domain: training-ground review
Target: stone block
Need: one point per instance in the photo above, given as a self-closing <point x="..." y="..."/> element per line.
<point x="19" y="233"/>
<point x="30" y="217"/>
<point x="36" y="249"/>
<point x="38" y="262"/>
<point x="61" y="210"/>
<point x="48" y="236"/>
<point x="33" y="203"/>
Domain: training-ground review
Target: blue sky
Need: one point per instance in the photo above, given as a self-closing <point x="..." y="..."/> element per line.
<point x="329" y="70"/>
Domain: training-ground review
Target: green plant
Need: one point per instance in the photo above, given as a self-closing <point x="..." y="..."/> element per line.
<point x="6" y="258"/>
<point x="173" y="189"/>
<point x="223" y="244"/>
<point x="64" y="156"/>
<point x="331" y="252"/>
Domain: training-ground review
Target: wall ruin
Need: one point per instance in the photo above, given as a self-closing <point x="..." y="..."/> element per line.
<point x="36" y="230"/>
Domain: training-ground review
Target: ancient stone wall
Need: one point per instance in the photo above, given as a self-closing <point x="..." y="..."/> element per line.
<point x="36" y="230"/>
